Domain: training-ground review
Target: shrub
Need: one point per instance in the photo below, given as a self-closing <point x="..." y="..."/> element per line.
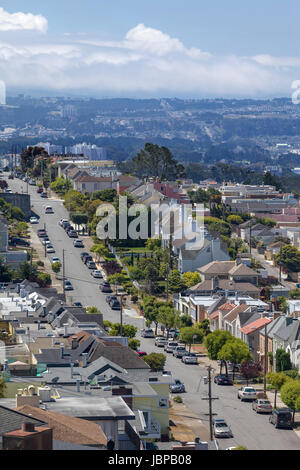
<point x="40" y="263"/>
<point x="178" y="399"/>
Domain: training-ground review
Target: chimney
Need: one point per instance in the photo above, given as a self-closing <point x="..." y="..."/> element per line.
<point x="61" y="350"/>
<point x="44" y="311"/>
<point x="27" y="313"/>
<point x="66" y="329"/>
<point x="84" y="359"/>
<point x="125" y="392"/>
<point x="78" y="385"/>
<point x="28" y="437"/>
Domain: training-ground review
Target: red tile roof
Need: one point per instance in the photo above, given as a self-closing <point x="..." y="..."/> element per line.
<point x="227" y="306"/>
<point x="255" y="325"/>
<point x="214" y="315"/>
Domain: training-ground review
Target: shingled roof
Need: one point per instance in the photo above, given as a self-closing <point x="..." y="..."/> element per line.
<point x="67" y="428"/>
<point x="10" y="420"/>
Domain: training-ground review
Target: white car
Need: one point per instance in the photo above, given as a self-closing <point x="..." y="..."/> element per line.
<point x="62" y="221"/>
<point x="49" y="210"/>
<point x="33" y="220"/>
<point x="50" y="249"/>
<point x="46" y="242"/>
<point x="55" y="259"/>
<point x="170" y="346"/>
<point x="97" y="273"/>
<point x="246" y="393"/>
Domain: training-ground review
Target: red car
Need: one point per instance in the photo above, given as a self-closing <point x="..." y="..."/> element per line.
<point x="39" y="190"/>
<point x="141" y="353"/>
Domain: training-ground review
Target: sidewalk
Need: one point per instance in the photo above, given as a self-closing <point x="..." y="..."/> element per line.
<point x="185" y="425"/>
<point x="37" y="245"/>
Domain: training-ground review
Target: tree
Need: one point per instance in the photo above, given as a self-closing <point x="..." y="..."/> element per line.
<point x="17" y="213"/>
<point x="235" y="219"/>
<point x="92" y="309"/>
<point x="186" y="320"/>
<point x="282" y="360"/>
<point x="168" y="317"/>
<point x="289" y="257"/>
<point x="134" y="343"/>
<point x="56" y="267"/>
<point x="5" y="272"/>
<point x="205" y="326"/>
<point x="215" y="341"/>
<point x="290" y="395"/>
<point x="190" y="335"/>
<point x="283" y="305"/>
<point x="250" y="370"/>
<point x="79" y="219"/>
<point x="2" y="388"/>
<point x="277" y="380"/>
<point x="156" y="361"/>
<point x="157" y="161"/>
<point x="107" y="195"/>
<point x="235" y="351"/>
<point x="128" y="330"/>
<point x="44" y="279"/>
<point x="191" y="279"/>
<point x="176" y="284"/>
<point x="295" y="294"/>
<point x="153" y="243"/>
<point x="150" y="308"/>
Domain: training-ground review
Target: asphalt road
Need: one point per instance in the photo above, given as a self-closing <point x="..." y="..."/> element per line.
<point x="249" y="429"/>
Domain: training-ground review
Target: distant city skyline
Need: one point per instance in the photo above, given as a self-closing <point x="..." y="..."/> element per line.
<point x="150" y="49"/>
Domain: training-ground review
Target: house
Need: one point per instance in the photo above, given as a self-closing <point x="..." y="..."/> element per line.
<point x="250" y="335"/>
<point x="67" y="428"/>
<point x="192" y="260"/>
<point x="230" y="270"/>
<point x="286" y="335"/>
<point x="225" y="287"/>
<point x="278" y="321"/>
<point x="229" y="320"/>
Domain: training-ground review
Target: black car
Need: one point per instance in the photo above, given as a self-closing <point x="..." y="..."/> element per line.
<point x="87" y="258"/>
<point x="282" y="418"/>
<point x="72" y="234"/>
<point x="18" y="241"/>
<point x="77" y="304"/>
<point x="115" y="305"/>
<point x="222" y="379"/>
<point x="109" y="298"/>
<point x="84" y="254"/>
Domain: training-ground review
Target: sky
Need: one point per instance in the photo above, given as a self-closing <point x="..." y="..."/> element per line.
<point x="150" y="48"/>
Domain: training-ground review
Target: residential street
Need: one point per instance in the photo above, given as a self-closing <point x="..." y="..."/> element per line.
<point x="249" y="429"/>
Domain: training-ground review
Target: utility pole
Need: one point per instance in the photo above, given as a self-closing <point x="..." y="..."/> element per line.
<point x="210" y="399"/>
<point x="45" y="243"/>
<point x="167" y="279"/>
<point x="31" y="258"/>
<point x="121" y="315"/>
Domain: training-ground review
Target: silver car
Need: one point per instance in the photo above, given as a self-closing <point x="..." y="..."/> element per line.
<point x="221" y="428"/>
<point x="160" y="342"/>
<point x="189" y="358"/>
<point x="170" y="346"/>
<point x="262" y="406"/>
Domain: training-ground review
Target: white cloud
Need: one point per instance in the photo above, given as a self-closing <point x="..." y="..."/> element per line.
<point x="146" y="61"/>
<point x="22" y="21"/>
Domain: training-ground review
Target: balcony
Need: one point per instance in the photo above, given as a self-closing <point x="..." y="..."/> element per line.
<point x="151" y="429"/>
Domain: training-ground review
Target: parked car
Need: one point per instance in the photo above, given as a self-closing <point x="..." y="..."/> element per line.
<point x="72" y="234"/>
<point x="55" y="259"/>
<point x="68" y="285"/>
<point x="18" y="241"/>
<point x="39" y="190"/>
<point x="170" y="346"/>
<point x="282" y="418"/>
<point x="222" y="379"/>
<point x="111" y="297"/>
<point x="105" y="288"/>
<point x="49" y="210"/>
<point x="189" y="358"/>
<point x="221" y="428"/>
<point x="246" y="393"/>
<point x="83" y="254"/>
<point x="147" y="333"/>
<point x="115" y="304"/>
<point x="262" y="406"/>
<point x="91" y="264"/>
<point x="46" y="241"/>
<point x="177" y="387"/>
<point x="141" y="353"/>
<point x="86" y="259"/>
<point x="160" y="341"/>
<point x="78" y="243"/>
<point x="97" y="274"/>
<point x="77" y="304"/>
<point x="33" y="220"/>
<point x="179" y="351"/>
<point x="62" y="221"/>
<point x="44" y="195"/>
<point x="173" y="333"/>
<point x="42" y="233"/>
<point x="65" y="224"/>
<point x="50" y="248"/>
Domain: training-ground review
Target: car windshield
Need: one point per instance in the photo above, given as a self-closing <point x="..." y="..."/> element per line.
<point x="221" y="425"/>
<point x="249" y="390"/>
<point x="264" y="402"/>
